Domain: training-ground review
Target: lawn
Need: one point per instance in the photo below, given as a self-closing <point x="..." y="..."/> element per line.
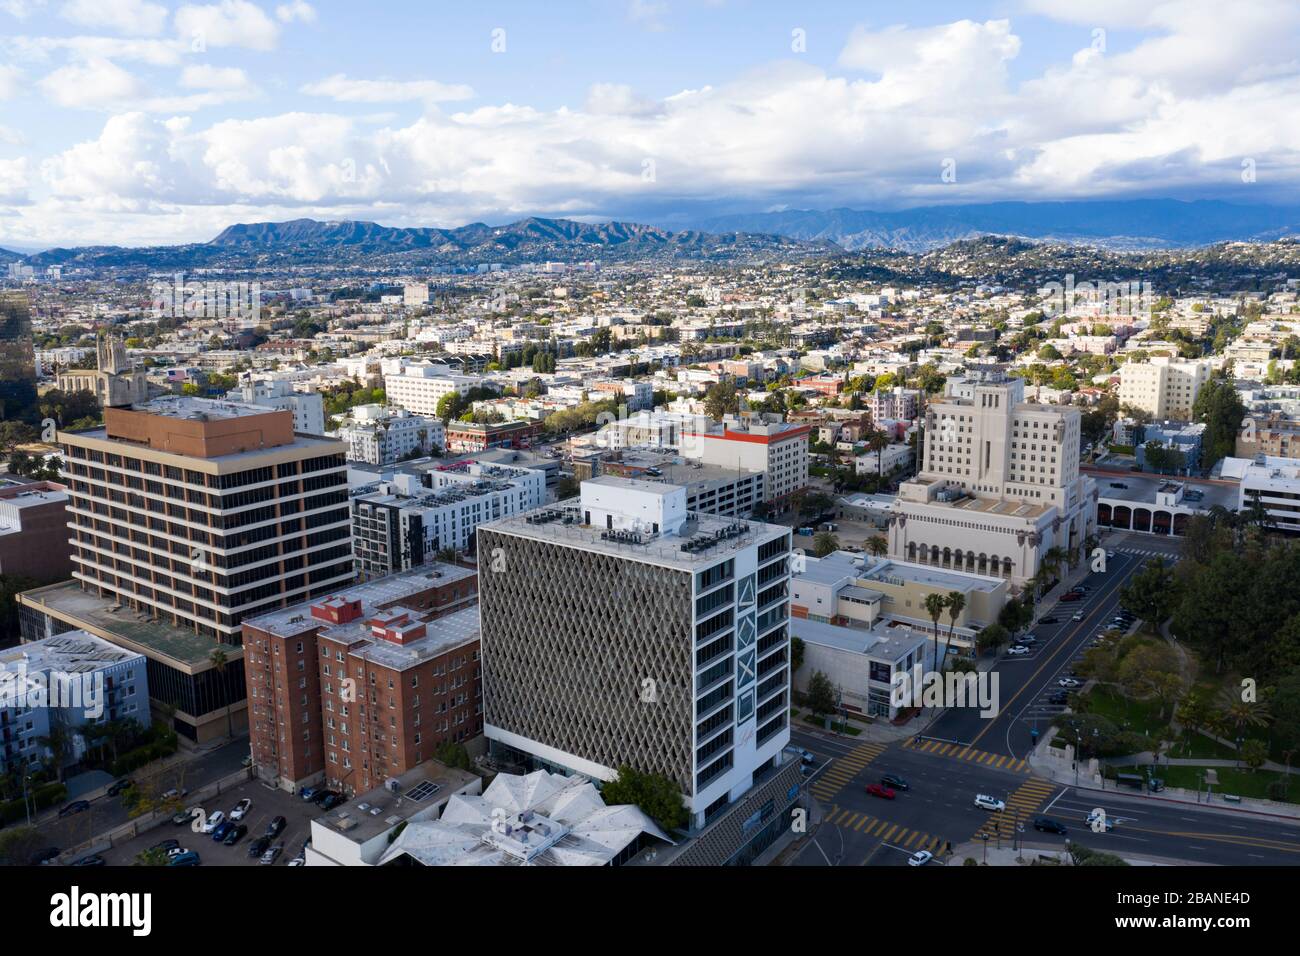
<point x="1241" y="783"/>
<point x="1199" y="745"/>
<point x="1138" y="716"/>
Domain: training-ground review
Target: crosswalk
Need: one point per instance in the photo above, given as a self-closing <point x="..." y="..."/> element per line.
<point x="844" y="769"/>
<point x="892" y="833"/>
<point x="1148" y="552"/>
<point x="1021" y="806"/>
<point x="960" y="752"/>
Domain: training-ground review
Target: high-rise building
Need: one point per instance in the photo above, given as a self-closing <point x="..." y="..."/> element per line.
<point x="308" y="407"/>
<point x="999" y="485"/>
<point x="17" y="359"/>
<point x="623" y="629"/>
<point x="1166" y="388"/>
<point x="778" y="449"/>
<point x="186" y="517"/>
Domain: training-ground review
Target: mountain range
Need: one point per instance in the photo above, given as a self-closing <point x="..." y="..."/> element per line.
<point x="1133" y="224"/>
<point x="306" y="241"/>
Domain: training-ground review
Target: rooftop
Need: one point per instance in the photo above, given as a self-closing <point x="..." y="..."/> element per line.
<point x="369" y="814"/>
<point x="136" y="630"/>
<point x="702" y="539"/>
<point x="73" y="652"/>
<point x="200" y="409"/>
<point x="887" y="644"/>
<point x="374" y="595"/>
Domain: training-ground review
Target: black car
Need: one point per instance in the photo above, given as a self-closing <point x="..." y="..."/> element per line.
<point x="164" y="846"/>
<point x="93" y="860"/>
<point x="235" y="835"/>
<point x="895" y="781"/>
<point x="1060" y="697"/>
<point x="276" y="827"/>
<point x="118" y="787"/>
<point x="322" y="795"/>
<point x="1048" y="825"/>
<point x="1050" y="620"/>
<point x="258" y="847"/>
<point x="332" y="801"/>
<point x="76" y="806"/>
<point x="45" y="856"/>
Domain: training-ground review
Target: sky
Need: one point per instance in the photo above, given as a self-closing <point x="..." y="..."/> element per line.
<point x="136" y="122"/>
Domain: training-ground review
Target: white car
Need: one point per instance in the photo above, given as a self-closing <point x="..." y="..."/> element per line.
<point x="985" y="802"/>
<point x="1108" y="823"/>
<point x="241" y="809"/>
<point x="214" y="821"/>
<point x="1017" y="650"/>
<point x="1068" y="682"/>
<point x="1077" y="617"/>
<point x="920" y="858"/>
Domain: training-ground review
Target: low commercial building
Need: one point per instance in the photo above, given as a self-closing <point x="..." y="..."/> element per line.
<point x="477" y="436"/>
<point x="360" y="831"/>
<point x="861" y="663"/>
<point x="1273" y="483"/>
<point x="383" y="434"/>
<point x="537" y="819"/>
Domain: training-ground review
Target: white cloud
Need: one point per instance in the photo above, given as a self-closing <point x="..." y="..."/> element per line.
<point x="298" y="10"/>
<point x="22" y="9"/>
<point x="95" y="84"/>
<point x="10" y="81"/>
<point x="207" y="77"/>
<point x="42" y="49"/>
<point x="648" y="14"/>
<point x="343" y="89"/>
<point x="228" y="23"/>
<point x="134" y="17"/>
<point x="13" y="179"/>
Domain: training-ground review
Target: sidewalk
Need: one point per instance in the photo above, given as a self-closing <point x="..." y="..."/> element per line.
<point x="1062" y="772"/>
<point x="1028" y="853"/>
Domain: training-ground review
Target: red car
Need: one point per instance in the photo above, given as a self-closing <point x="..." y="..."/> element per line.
<point x="876" y="790"/>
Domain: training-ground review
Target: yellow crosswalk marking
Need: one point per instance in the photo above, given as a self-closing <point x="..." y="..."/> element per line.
<point x="862" y="822"/>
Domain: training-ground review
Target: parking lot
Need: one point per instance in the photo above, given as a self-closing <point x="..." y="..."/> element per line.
<point x="267" y="804"/>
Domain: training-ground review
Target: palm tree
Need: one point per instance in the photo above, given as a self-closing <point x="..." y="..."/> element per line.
<point x="59" y="743"/>
<point x="1054" y="557"/>
<point x="1238" y="715"/>
<point x="219" y="661"/>
<point x="956" y="603"/>
<point x="934" y="606"/>
<point x="878" y="442"/>
<point x="877" y="545"/>
<point x="1194" y="712"/>
<point x="825" y="543"/>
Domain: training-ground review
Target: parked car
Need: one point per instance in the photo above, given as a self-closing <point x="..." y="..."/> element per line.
<point x="93" y="860"/>
<point x="1118" y="484"/>
<point x="876" y="790"/>
<point x="1059" y="697"/>
<point x="324" y="795"/>
<point x="920" y="858"/>
<point x="1048" y="825"/>
<point x="297" y="861"/>
<point x="895" y="781"/>
<point x="1068" y="682"/>
<point x="188" y="858"/>
<point x="76" y="806"/>
<point x="212" y="822"/>
<point x="48" y="855"/>
<point x="985" y="802"/>
<point x="272" y="854"/>
<point x="258" y="847"/>
<point x="309" y="793"/>
<point x="1016" y="650"/>
<point x="276" y="827"/>
<point x="236" y="834"/>
<point x="222" y="829"/>
<point x="1051" y="619"/>
<point x="240" y="809"/>
<point x="164" y="846"/>
<point x="117" y="787"/>
<point x="173" y="793"/>
<point x="331" y="801"/>
<point x="1029" y="639"/>
<point x="1071" y="596"/>
<point x="180" y="818"/>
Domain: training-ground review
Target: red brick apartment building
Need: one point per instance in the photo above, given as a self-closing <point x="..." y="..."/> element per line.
<point x="364" y="684"/>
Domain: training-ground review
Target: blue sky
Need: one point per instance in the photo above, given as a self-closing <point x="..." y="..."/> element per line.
<point x="136" y="121"/>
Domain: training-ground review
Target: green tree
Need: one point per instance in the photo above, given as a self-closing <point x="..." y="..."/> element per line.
<point x="1150" y="593"/>
<point x="955" y="602"/>
<point x="1254" y="753"/>
<point x="821" y="694"/>
<point x="825" y="543"/>
<point x="219" y="661"/>
<point x="656" y="795"/>
<point x="453" y="754"/>
<point x="796" y="654"/>
<point x="877" y="545"/>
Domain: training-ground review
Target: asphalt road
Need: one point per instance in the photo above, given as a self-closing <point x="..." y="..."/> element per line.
<point x="1026" y="683"/>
